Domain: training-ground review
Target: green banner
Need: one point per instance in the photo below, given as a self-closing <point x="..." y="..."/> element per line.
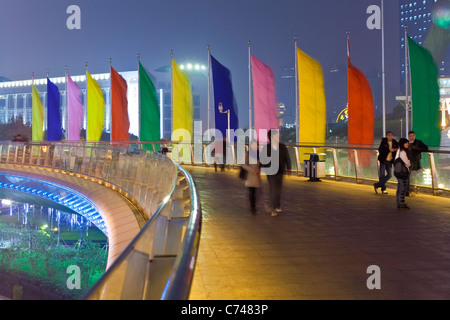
<point x="425" y="95"/>
<point x="150" y="130"/>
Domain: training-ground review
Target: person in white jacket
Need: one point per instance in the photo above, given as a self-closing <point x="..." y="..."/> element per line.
<point x="402" y="185"/>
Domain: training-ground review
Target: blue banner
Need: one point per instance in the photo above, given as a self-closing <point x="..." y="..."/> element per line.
<point x="223" y="93"/>
<point x="54" y="124"/>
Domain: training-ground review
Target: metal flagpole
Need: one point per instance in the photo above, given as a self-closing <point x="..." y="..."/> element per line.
<point x="209" y="92"/>
<point x="139" y="97"/>
<point x="250" y="89"/>
<point x="383" y="67"/>
<point x="406" y="82"/>
<point x="110" y="93"/>
<point x="86" y="103"/>
<point x="297" y="92"/>
<point x="66" y="111"/>
<point x="171" y="87"/>
<point x="46" y="109"/>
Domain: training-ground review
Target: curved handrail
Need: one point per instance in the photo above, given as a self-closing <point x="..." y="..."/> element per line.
<point x="171" y="235"/>
<point x="180" y="281"/>
<point x="96" y="288"/>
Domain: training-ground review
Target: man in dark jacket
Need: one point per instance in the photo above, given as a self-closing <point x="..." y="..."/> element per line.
<point x="278" y="151"/>
<point x="416" y="147"/>
<point x="387" y="150"/>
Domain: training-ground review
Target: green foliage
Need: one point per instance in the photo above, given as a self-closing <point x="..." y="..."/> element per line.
<point x="35" y="256"/>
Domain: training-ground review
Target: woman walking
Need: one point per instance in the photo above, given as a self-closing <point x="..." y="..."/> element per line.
<point x="253" y="179"/>
<point x="401" y="171"/>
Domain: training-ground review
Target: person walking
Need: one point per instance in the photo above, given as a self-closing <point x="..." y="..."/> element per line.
<point x="279" y="151"/>
<point x="388" y="148"/>
<point x="220" y="151"/>
<point x="401" y="172"/>
<point x="416" y="147"/>
<point x="253" y="177"/>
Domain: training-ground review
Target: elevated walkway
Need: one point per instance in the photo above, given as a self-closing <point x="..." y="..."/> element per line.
<point x="322" y="245"/>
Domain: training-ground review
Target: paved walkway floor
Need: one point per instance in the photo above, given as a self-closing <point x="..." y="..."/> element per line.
<point x="321" y="247"/>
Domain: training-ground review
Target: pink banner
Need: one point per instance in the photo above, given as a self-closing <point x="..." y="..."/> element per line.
<point x="75" y="110"/>
<point x="266" y="108"/>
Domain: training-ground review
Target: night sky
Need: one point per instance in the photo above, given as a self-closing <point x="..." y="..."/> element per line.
<point x="34" y="36"/>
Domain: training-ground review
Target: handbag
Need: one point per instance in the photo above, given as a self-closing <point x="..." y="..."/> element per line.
<point x="243" y="174"/>
<point x="400" y="169"/>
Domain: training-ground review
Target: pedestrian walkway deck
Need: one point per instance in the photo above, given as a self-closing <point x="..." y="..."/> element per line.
<point x="321" y="247"/>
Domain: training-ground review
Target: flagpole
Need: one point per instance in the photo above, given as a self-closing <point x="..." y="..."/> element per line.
<point x="139" y="97"/>
<point x="46" y="109"/>
<point x="110" y="92"/>
<point x="171" y="87"/>
<point x="86" y="102"/>
<point x="383" y="66"/>
<point x="406" y="81"/>
<point x="66" y="111"/>
<point x="250" y="89"/>
<point x="297" y="96"/>
<point x="209" y="92"/>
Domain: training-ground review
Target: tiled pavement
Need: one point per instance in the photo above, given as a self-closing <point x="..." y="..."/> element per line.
<point x="321" y="247"/>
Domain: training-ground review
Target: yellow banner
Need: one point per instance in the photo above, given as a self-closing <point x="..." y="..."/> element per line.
<point x="313" y="108"/>
<point x="38" y="116"/>
<point x="95" y="110"/>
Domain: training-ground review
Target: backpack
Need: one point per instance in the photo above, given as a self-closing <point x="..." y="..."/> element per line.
<point x="400" y="169"/>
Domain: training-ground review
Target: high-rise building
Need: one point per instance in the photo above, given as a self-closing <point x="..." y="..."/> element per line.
<point x="416" y="15"/>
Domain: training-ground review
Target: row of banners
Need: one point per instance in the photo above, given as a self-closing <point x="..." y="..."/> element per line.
<point x="312" y="103"/>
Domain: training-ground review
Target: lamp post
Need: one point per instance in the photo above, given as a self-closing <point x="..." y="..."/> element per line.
<point x="228" y="116"/>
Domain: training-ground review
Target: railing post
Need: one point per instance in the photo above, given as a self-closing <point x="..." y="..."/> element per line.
<point x="434" y="180"/>
<point x="297" y="159"/>
<point x="336" y="164"/>
<point x="205" y="156"/>
<point x="357" y="167"/>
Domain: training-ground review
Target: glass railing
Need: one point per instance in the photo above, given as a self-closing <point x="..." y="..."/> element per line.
<point x="354" y="162"/>
<point x="159" y="263"/>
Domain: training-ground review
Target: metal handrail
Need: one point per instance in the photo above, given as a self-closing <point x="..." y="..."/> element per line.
<point x="181" y="272"/>
<point x="181" y="278"/>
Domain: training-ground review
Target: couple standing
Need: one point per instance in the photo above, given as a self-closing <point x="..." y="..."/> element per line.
<point x="410" y="152"/>
<point x="253" y="168"/>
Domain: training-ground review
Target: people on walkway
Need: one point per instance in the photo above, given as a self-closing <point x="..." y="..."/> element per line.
<point x="278" y="151"/>
<point x="253" y="177"/>
<point x="220" y="151"/>
<point x="387" y="150"/>
<point x="402" y="164"/>
<point x="416" y="147"/>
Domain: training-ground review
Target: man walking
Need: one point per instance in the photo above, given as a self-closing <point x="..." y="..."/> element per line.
<point x="387" y="150"/>
<point x="278" y="151"/>
<point x="416" y="147"/>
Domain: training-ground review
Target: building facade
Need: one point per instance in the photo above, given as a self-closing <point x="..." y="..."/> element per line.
<point x="416" y="15"/>
<point x="16" y="100"/>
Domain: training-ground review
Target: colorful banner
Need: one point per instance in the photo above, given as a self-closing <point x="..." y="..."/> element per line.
<point x="150" y="126"/>
<point x="120" y="122"/>
<point x="223" y="93"/>
<point x="95" y="110"/>
<point x="313" y="107"/>
<point x="54" y="124"/>
<point x="75" y="107"/>
<point x="265" y="102"/>
<point x="361" y="114"/>
<point x="38" y="116"/>
<point x="183" y="113"/>
<point x="425" y="95"/>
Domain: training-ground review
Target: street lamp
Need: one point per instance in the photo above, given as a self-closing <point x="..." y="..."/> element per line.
<point x="228" y="116"/>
